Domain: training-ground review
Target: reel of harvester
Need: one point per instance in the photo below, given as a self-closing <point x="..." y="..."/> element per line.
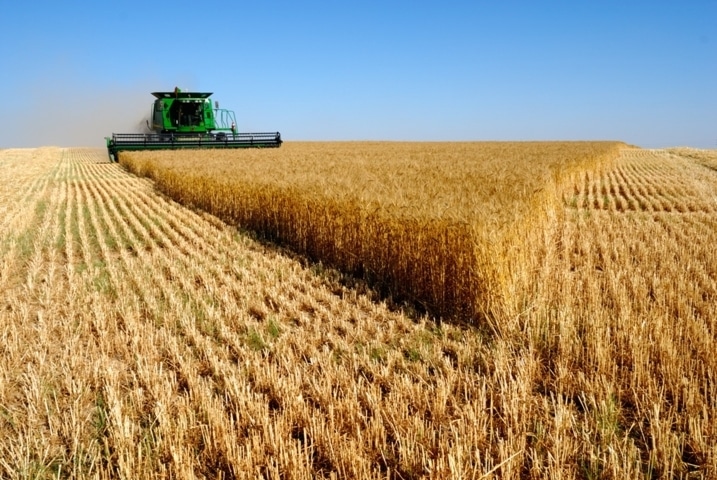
<point x="187" y="120"/>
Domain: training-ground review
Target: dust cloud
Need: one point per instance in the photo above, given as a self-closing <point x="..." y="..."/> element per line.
<point x="75" y="114"/>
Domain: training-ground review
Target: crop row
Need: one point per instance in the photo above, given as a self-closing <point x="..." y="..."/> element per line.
<point x="647" y="184"/>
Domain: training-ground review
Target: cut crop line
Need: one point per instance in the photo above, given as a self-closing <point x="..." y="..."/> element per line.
<point x="172" y="229"/>
<point x="73" y="241"/>
<point x="216" y="279"/>
<point x="130" y="236"/>
<point x="109" y="278"/>
<point x="16" y="206"/>
<point x="671" y="178"/>
<point x="141" y="331"/>
<point x="179" y="273"/>
<point x="19" y="199"/>
<point x="186" y="359"/>
<point x="88" y="245"/>
<point x="627" y="190"/>
<point x="127" y="236"/>
<point x="193" y="244"/>
<point x="46" y="211"/>
<point x="145" y="331"/>
<point x="203" y="236"/>
<point x="638" y="190"/>
<point x="54" y="282"/>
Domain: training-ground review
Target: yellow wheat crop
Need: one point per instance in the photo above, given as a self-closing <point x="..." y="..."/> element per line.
<point x="446" y="225"/>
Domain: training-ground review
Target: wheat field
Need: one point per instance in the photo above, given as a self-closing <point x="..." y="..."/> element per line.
<point x="143" y="339"/>
<point x="447" y="226"/>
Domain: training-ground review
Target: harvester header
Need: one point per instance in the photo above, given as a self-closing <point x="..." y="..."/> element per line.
<point x="180" y="119"/>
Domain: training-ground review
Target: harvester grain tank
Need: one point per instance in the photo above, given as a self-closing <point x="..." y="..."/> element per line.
<point x="188" y="120"/>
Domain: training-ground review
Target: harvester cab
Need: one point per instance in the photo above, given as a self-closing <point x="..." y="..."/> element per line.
<point x="187" y="120"/>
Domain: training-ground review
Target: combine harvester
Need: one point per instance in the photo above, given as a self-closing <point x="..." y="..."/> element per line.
<point x="187" y="120"/>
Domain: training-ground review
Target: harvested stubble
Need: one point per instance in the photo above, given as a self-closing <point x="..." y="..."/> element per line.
<point x="139" y="339"/>
<point x="454" y="227"/>
<point x="708" y="158"/>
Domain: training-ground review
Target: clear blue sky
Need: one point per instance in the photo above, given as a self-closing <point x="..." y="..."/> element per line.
<point x="644" y="72"/>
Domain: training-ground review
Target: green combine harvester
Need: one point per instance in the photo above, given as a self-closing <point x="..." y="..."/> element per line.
<point x="187" y="120"/>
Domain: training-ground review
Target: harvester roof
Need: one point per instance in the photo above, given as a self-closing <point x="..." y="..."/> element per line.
<point x="182" y="94"/>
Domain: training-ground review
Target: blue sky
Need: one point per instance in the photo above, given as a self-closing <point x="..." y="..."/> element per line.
<point x="644" y="72"/>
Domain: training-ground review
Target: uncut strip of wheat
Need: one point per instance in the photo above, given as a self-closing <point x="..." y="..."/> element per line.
<point x="445" y="225"/>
